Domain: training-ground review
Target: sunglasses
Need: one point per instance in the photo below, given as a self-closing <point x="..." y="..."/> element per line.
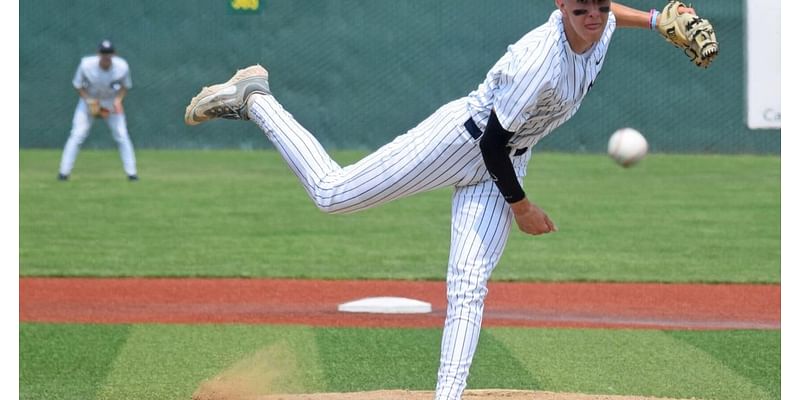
<point x="583" y="11"/>
<point x="580" y="12"/>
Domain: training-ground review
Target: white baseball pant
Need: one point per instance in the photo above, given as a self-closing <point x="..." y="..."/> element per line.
<point x="438" y="152"/>
<point x="82" y="122"/>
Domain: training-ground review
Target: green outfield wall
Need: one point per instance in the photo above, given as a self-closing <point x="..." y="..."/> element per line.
<point x="359" y="72"/>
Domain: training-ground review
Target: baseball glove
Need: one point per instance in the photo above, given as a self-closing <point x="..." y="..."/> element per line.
<point x="689" y="32"/>
<point x="95" y="110"/>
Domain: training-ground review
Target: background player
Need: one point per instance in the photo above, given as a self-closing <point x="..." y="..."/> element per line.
<point x="479" y="145"/>
<point x="102" y="81"/>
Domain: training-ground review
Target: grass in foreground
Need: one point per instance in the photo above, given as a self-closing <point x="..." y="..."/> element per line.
<point x="171" y="361"/>
<point x="233" y="213"/>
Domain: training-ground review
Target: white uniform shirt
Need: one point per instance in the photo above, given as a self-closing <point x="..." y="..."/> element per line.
<point x="539" y="83"/>
<point x="102" y="84"/>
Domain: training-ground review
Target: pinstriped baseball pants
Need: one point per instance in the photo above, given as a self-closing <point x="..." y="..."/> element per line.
<point x="436" y="153"/>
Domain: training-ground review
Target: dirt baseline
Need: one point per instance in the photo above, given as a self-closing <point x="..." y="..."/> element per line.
<point x="314" y="302"/>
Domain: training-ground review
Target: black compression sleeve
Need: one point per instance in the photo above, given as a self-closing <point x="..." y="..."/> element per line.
<point x="496" y="157"/>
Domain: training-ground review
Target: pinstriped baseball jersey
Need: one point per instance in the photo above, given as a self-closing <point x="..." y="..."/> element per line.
<point x="539" y="82"/>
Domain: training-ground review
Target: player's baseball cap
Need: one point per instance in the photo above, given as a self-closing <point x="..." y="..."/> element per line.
<point x="106" y="47"/>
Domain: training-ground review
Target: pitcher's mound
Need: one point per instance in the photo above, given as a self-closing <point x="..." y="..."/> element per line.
<point x="488" y="394"/>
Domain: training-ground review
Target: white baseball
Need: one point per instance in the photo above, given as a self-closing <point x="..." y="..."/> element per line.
<point x="627" y="146"/>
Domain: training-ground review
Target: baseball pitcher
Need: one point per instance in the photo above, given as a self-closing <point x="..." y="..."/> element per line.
<point x="479" y="145"/>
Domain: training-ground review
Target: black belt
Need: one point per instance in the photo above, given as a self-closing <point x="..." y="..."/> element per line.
<point x="476" y="133"/>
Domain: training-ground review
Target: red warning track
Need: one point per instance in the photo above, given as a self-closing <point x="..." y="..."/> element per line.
<point x="312" y="302"/>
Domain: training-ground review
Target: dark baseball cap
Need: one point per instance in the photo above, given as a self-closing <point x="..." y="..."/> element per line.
<point x="106" y="47"/>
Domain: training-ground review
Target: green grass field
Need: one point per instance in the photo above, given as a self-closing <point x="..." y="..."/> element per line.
<point x="231" y="213"/>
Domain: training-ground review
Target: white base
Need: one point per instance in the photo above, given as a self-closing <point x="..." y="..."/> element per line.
<point x="386" y="305"/>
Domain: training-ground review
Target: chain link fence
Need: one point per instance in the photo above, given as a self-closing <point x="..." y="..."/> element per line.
<point x="359" y="72"/>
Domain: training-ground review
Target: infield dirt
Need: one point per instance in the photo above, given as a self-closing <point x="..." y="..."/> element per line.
<point x="314" y="302"/>
<point x="485" y="394"/>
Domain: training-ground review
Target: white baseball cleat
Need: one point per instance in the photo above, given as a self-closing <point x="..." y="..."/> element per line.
<point x="228" y="100"/>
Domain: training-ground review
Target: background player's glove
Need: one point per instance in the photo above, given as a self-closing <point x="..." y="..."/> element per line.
<point x="95" y="110"/>
<point x="689" y="32"/>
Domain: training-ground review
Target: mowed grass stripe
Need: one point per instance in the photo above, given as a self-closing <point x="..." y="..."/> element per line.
<point x="496" y="366"/>
<point x="237" y="213"/>
<point x="172" y="361"/>
<point x="66" y="362"/>
<point x="360" y="359"/>
<point x="755" y="355"/>
<point x="620" y="362"/>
